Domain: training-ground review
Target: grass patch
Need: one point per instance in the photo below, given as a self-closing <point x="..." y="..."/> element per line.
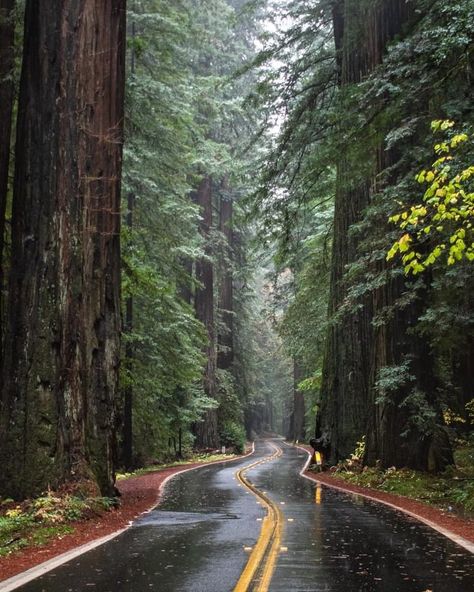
<point x="197" y="458"/>
<point x="37" y="521"/>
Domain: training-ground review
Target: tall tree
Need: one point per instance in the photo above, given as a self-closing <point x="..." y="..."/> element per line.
<point x="349" y="104"/>
<point x="7" y="35"/>
<point x="61" y="367"/>
<point x="362" y="32"/>
<point x="207" y="435"/>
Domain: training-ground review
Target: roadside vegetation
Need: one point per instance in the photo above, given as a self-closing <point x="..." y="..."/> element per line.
<point x="203" y="457"/>
<point x="452" y="490"/>
<point x="35" y="522"/>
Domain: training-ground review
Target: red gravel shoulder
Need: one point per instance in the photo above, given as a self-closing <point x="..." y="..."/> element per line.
<point x="457" y="525"/>
<point x="138" y="494"/>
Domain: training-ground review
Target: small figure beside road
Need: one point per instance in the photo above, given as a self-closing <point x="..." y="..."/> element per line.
<point x="321" y="450"/>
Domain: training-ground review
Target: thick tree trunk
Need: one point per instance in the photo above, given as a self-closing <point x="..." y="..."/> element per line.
<point x="395" y="435"/>
<point x="206" y="431"/>
<point x="225" y="355"/>
<point x="7" y="34"/>
<point x="61" y="365"/>
<point x="127" y="447"/>
<point x="342" y="417"/>
<point x="362" y="31"/>
<point x="356" y="351"/>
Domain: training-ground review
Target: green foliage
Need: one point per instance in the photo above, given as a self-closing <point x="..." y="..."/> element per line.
<point x="22" y="531"/>
<point x="184" y="119"/>
<point x="37" y="521"/>
<point x="232" y="435"/>
<point x="263" y="370"/>
<point x="443" y="224"/>
<point x="375" y="131"/>
<point x="359" y="450"/>
<point x="59" y="509"/>
<point x="445" y="491"/>
<point x="392" y="378"/>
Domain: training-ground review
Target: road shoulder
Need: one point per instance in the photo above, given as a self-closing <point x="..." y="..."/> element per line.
<point x="454" y="527"/>
<point x="139" y="495"/>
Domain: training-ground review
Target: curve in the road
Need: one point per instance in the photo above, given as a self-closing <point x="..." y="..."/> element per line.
<point x="19" y="580"/>
<point x="259" y="570"/>
<point x="445" y="532"/>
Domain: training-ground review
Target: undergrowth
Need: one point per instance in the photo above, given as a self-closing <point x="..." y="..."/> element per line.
<point x="451" y="490"/>
<point x="35" y="522"/>
<point x="204" y="457"/>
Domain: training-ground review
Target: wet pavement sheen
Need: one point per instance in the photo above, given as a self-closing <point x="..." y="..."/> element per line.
<point x="332" y="541"/>
<point x="338" y="542"/>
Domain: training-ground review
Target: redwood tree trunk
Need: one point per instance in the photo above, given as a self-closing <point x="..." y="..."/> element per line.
<point x="7" y="34"/>
<point x="342" y="417"/>
<point x="362" y="32"/>
<point x="62" y="343"/>
<point x="206" y="431"/>
<point x="357" y="351"/>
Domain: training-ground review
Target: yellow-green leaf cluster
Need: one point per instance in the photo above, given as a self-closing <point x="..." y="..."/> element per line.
<point x="444" y="220"/>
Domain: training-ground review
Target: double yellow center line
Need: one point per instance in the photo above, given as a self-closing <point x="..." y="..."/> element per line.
<point x="258" y="572"/>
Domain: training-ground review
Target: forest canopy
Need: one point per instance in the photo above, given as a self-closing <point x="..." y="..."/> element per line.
<point x="221" y="219"/>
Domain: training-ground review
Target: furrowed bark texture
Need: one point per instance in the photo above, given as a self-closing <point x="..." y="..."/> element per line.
<point x="61" y="367"/>
<point x="362" y="31"/>
<point x="394" y="437"/>
<point x="206" y="431"/>
<point x="7" y="34"/>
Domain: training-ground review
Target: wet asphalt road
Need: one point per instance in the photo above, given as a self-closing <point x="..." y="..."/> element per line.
<point x="332" y="542"/>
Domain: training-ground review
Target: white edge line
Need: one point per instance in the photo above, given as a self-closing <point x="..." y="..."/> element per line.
<point x="444" y="531"/>
<point x="39" y="570"/>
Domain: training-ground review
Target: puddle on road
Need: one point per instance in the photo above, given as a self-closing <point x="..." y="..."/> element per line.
<point x="166" y="518"/>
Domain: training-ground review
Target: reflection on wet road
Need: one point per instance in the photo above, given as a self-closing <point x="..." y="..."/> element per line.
<point x="201" y="536"/>
<point x="346" y="543"/>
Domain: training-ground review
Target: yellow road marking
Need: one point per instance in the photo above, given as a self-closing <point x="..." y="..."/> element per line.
<point x="265" y="552"/>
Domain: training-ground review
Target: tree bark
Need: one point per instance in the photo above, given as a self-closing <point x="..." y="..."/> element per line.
<point x="128" y="394"/>
<point x="7" y="92"/>
<point x="206" y="431"/>
<point x="394" y="437"/>
<point x="356" y="350"/>
<point x="362" y="32"/>
<point x="62" y="354"/>
<point x="342" y="417"/>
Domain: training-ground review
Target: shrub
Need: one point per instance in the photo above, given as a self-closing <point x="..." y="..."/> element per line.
<point x="233" y="435"/>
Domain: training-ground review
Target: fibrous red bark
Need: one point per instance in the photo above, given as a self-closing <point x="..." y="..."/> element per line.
<point x="7" y="34"/>
<point x="61" y="362"/>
